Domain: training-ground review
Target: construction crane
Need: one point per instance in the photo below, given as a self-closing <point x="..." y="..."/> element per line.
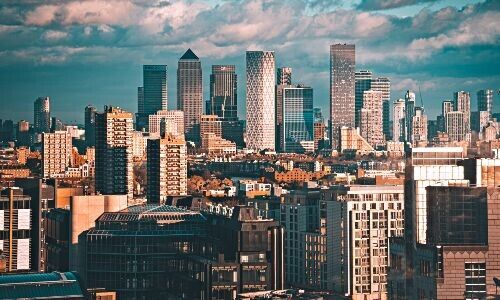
<point x="223" y="107"/>
<point x="421" y="99"/>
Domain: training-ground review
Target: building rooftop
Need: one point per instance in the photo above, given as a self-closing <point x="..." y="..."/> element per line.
<point x="164" y="214"/>
<point x="189" y="54"/>
<point x="53" y="285"/>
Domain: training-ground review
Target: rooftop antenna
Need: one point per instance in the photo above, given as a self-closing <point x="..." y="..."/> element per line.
<point x="420" y="93"/>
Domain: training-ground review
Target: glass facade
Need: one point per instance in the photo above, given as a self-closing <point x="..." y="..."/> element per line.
<point x="298" y="119"/>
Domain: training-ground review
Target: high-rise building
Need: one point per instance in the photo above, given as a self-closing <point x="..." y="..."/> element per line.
<point x="210" y="124"/>
<point x="284" y="76"/>
<point x="260" y="69"/>
<point x="485" y="101"/>
<point x="113" y="152"/>
<point x="223" y="100"/>
<point x="42" y="114"/>
<point x="167" y="168"/>
<point x="478" y="120"/>
<point x="419" y="128"/>
<point x="173" y="121"/>
<point x="297" y="130"/>
<point x="153" y="95"/>
<point x="432" y="129"/>
<point x="319" y="128"/>
<point x="455" y="126"/>
<point x="56" y="153"/>
<point x="90" y="112"/>
<point x="461" y="102"/>
<point x="16" y="238"/>
<point x="383" y="84"/>
<point x="342" y="89"/>
<point x="363" y="81"/>
<point x="398" y="121"/>
<point x="190" y="93"/>
<point x="409" y="113"/>
<point x="371" y="128"/>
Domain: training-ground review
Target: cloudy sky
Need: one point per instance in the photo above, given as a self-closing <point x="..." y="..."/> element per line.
<point x="81" y="52"/>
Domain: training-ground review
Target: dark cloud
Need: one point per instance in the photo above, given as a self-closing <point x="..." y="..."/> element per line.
<point x="388" y="4"/>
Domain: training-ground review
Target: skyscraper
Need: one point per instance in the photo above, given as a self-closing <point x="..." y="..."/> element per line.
<point x="297" y="130"/>
<point x="90" y="112"/>
<point x="260" y="69"/>
<point x="371" y="128"/>
<point x="223" y="93"/>
<point x="383" y="84"/>
<point x="319" y="128"/>
<point x="284" y="76"/>
<point x="167" y="168"/>
<point x="409" y="114"/>
<point x="455" y="126"/>
<point x="42" y="114"/>
<point x="154" y="92"/>
<point x="363" y="81"/>
<point x="419" y="128"/>
<point x="485" y="101"/>
<point x="113" y="153"/>
<point x="461" y="102"/>
<point x="398" y="121"/>
<point x="342" y="77"/>
<point x="190" y="93"/>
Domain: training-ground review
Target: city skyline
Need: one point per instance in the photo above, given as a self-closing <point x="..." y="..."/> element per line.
<point x="105" y="69"/>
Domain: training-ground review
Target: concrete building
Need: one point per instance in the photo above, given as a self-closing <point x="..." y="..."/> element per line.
<point x="174" y="120"/>
<point x="371" y="127"/>
<point x="214" y="145"/>
<point x="16" y="229"/>
<point x="210" y="124"/>
<point x="296" y="131"/>
<point x="362" y="83"/>
<point x="383" y="84"/>
<point x="139" y="143"/>
<point x="190" y="93"/>
<point x="42" y="114"/>
<point x="342" y="90"/>
<point x="23" y="134"/>
<point x="419" y="128"/>
<point x="114" y="152"/>
<point x="153" y="95"/>
<point x="350" y="139"/>
<point x="56" y="153"/>
<point x="461" y="103"/>
<point x="358" y="221"/>
<point x="319" y="129"/>
<point x="485" y="101"/>
<point x="167" y="168"/>
<point x="223" y="93"/>
<point x="455" y="126"/>
<point x="260" y="69"/>
<point x="398" y="121"/>
<point x="478" y="120"/>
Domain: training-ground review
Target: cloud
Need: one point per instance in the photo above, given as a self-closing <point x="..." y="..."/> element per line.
<point x="54" y="35"/>
<point x="389" y="4"/>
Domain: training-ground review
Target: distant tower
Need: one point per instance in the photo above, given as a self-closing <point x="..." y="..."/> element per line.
<point x="153" y="94"/>
<point x="113" y="152"/>
<point x="260" y="69"/>
<point x="398" y="121"/>
<point x="409" y="114"/>
<point x="190" y="93"/>
<point x="284" y="76"/>
<point x="42" y="114"/>
<point x="363" y="81"/>
<point x="90" y="112"/>
<point x="485" y="101"/>
<point x="371" y="128"/>
<point x="419" y="127"/>
<point x="342" y="77"/>
<point x="461" y="102"/>
<point x="223" y="93"/>
<point x="383" y="84"/>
